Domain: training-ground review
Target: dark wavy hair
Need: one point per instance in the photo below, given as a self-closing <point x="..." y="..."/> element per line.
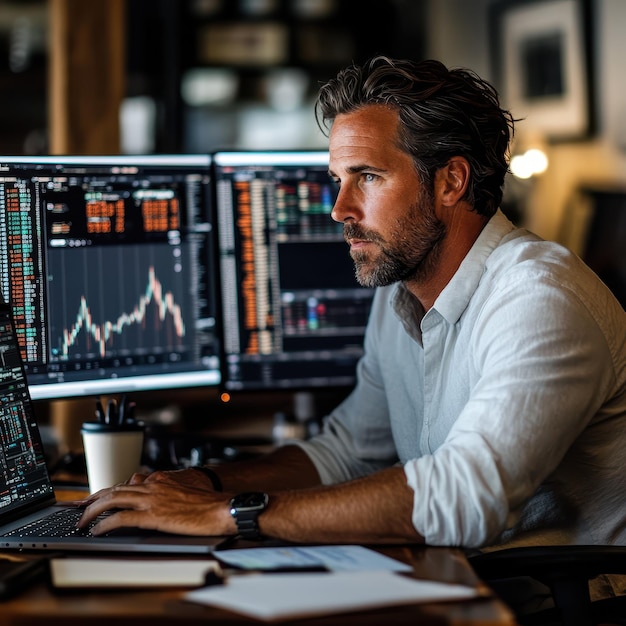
<point x="443" y="113"/>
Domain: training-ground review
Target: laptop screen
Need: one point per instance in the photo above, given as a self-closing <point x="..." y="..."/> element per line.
<point x="23" y="474"/>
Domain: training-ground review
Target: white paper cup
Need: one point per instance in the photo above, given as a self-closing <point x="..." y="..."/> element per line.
<point x="112" y="452"/>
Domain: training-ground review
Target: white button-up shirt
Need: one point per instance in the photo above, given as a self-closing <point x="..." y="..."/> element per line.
<point x="505" y="402"/>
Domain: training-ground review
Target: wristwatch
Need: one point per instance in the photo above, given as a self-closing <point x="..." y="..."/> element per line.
<point x="245" y="509"/>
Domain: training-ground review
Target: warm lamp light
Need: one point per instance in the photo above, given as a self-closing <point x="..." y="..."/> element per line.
<point x="529" y="164"/>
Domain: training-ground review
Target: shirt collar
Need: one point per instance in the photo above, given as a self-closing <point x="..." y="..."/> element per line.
<point x="455" y="297"/>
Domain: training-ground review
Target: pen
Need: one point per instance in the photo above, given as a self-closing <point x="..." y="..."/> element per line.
<point x="122" y="409"/>
<point x="121" y="412"/>
<point x="130" y="411"/>
<point x="100" y="416"/>
<point x="111" y="414"/>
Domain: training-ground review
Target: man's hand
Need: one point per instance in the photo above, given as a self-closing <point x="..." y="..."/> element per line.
<point x="175" y="502"/>
<point x="183" y="477"/>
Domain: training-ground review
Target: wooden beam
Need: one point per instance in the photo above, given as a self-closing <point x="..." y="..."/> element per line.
<point x="86" y="75"/>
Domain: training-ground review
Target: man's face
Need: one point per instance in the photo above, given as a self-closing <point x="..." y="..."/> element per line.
<point x="389" y="217"/>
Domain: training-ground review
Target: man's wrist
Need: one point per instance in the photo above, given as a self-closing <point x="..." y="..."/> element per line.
<point x="211" y="475"/>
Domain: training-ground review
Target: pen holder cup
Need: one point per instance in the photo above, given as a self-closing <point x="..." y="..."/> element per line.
<point x="112" y="452"/>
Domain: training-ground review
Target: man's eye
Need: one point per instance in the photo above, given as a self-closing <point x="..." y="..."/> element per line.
<point x="369" y="178"/>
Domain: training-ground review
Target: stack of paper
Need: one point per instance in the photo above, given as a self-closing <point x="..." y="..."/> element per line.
<point x="280" y="596"/>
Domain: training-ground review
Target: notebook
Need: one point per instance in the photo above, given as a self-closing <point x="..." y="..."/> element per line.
<point x="26" y="491"/>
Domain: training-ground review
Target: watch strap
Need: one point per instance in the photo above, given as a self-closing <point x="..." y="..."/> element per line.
<point x="248" y="527"/>
<point x="246" y="514"/>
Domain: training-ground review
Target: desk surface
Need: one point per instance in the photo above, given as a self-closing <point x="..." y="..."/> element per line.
<point x="41" y="605"/>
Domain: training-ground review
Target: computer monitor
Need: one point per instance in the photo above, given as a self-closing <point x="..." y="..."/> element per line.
<point x="293" y="313"/>
<point x="108" y="264"/>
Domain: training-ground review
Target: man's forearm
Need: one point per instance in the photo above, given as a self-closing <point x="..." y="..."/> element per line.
<point x="287" y="467"/>
<point x="374" y="509"/>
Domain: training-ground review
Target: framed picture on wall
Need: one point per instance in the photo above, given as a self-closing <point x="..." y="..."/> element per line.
<point x="541" y="54"/>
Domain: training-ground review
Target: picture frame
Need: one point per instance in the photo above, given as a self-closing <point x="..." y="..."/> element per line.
<point x="542" y="61"/>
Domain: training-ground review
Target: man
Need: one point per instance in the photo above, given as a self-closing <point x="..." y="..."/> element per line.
<point x="491" y="399"/>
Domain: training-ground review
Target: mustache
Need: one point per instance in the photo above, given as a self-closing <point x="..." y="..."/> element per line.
<point x="354" y="231"/>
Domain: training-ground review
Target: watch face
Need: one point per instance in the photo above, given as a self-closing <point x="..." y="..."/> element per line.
<point x="252" y="501"/>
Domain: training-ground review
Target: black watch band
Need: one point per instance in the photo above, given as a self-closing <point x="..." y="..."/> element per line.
<point x="245" y="509"/>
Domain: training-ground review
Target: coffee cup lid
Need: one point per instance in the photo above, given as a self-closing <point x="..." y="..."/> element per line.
<point x="101" y="427"/>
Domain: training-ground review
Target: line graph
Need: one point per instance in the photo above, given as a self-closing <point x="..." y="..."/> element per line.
<point x="116" y="302"/>
<point x="102" y="333"/>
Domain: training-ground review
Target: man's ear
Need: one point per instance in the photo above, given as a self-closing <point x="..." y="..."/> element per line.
<point x="452" y="180"/>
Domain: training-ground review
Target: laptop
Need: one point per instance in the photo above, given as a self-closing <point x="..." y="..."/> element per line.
<point x="26" y="491"/>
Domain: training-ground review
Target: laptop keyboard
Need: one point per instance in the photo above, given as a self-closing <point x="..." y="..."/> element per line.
<point x="61" y="523"/>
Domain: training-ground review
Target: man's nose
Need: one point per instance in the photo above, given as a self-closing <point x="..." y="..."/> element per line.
<point x="345" y="207"/>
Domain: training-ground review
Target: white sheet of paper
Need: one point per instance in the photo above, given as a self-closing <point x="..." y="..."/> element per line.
<point x="110" y="572"/>
<point x="280" y="596"/>
<point x="334" y="557"/>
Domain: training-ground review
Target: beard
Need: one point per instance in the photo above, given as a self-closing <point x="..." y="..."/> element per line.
<point x="411" y="252"/>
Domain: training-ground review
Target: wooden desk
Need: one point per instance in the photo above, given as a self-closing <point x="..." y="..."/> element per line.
<point x="40" y="605"/>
